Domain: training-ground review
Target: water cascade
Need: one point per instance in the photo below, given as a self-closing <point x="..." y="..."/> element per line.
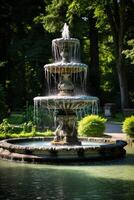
<point x="68" y="106"/>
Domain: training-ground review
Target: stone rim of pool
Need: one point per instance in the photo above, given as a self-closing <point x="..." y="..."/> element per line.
<point x="103" y="149"/>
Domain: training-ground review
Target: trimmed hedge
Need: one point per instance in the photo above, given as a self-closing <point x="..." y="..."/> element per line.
<point x="128" y="126"/>
<point x="91" y="125"/>
<point x="24" y="130"/>
<point x="19" y="135"/>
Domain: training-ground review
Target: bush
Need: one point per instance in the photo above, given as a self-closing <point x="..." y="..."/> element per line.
<point x="28" y="127"/>
<point x="91" y="125"/>
<point x="2" y="136"/>
<point x="45" y="134"/>
<point x="22" y="134"/>
<point x="5" y="127"/>
<point x="128" y="126"/>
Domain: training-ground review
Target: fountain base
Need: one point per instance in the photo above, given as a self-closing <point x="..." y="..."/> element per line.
<point x="66" y="133"/>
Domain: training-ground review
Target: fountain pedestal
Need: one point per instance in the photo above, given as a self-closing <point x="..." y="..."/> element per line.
<point x="66" y="133"/>
<point x="65" y="87"/>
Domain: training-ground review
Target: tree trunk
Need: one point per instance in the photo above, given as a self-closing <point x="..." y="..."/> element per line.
<point x="122" y="76"/>
<point x="122" y="84"/>
<point x="93" y="78"/>
<point x="117" y="18"/>
<point x="119" y="60"/>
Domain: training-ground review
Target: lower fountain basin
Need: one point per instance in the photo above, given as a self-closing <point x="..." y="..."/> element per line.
<point x="40" y="150"/>
<point x="67" y="102"/>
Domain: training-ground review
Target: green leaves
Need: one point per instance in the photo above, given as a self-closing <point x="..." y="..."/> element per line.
<point x="128" y="126"/>
<point x="129" y="53"/>
<point x="55" y="15"/>
<point x="91" y="125"/>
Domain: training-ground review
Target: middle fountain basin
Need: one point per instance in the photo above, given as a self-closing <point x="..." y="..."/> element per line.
<point x="66" y="102"/>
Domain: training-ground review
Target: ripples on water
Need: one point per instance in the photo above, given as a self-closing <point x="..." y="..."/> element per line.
<point x="112" y="180"/>
<point x="41" y="143"/>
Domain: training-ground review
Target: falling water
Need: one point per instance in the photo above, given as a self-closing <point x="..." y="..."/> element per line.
<point x="52" y="103"/>
<point x="72" y="44"/>
<point x="81" y="104"/>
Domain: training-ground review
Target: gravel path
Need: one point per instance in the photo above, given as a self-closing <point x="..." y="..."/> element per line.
<point x="113" y="127"/>
<point x="115" y="130"/>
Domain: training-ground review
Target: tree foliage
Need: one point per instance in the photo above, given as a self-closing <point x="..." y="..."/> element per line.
<point x="27" y="49"/>
<point x="129" y="53"/>
<point x="103" y="27"/>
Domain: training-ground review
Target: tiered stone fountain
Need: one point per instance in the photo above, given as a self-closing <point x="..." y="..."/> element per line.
<point x="66" y="103"/>
<point x="65" y="146"/>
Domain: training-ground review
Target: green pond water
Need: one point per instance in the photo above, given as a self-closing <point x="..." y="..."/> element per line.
<point x="110" y="180"/>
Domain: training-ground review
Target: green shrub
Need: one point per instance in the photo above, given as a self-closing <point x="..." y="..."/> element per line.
<point x="44" y="134"/>
<point x="91" y="125"/>
<point x="2" y="136"/>
<point x="28" y="127"/>
<point x="5" y="127"/>
<point x="22" y="134"/>
<point x="19" y="135"/>
<point x="128" y="126"/>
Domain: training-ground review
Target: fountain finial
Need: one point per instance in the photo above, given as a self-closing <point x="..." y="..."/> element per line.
<point x="65" y="32"/>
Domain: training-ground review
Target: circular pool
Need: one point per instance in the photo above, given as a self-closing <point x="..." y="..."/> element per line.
<point x="40" y="150"/>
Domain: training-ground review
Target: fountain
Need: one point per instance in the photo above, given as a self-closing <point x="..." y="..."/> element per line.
<point x="66" y="104"/>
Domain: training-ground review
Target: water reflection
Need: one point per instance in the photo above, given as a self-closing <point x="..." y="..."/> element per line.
<point x="109" y="180"/>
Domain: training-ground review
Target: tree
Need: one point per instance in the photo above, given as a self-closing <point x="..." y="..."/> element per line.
<point x="116" y="13"/>
<point x="129" y="54"/>
<point x="24" y="48"/>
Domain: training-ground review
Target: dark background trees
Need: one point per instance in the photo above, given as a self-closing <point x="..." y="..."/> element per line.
<point x="104" y="29"/>
<point x="25" y="48"/>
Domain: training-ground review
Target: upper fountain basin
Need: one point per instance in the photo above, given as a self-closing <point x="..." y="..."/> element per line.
<point x="66" y="102"/>
<point x="66" y="49"/>
<point x="67" y="40"/>
<point x="65" y="68"/>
